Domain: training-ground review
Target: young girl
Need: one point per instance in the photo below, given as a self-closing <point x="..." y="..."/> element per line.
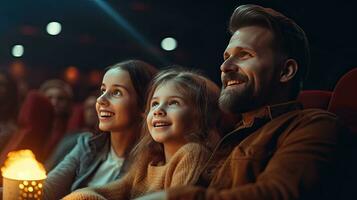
<point x="100" y="159"/>
<point x="181" y="113"/>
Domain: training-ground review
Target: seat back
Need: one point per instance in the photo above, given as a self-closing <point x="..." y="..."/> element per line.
<point x="344" y="100"/>
<point x="35" y="123"/>
<point x="315" y="98"/>
<point x="76" y="120"/>
<point x="343" y="103"/>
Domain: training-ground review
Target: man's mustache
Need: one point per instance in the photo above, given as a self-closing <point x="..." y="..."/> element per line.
<point x="233" y="76"/>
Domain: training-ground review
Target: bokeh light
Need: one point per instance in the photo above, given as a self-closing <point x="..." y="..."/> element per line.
<point x="54" y="28"/>
<point x="18" y="50"/>
<point x="169" y="44"/>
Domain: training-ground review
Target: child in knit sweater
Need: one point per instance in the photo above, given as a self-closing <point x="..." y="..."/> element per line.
<point x="181" y="116"/>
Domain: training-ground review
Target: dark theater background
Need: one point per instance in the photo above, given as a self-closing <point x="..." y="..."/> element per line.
<point x="97" y="33"/>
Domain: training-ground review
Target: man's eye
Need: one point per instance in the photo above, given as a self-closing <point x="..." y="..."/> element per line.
<point x="244" y="55"/>
<point x="102" y="90"/>
<point x="225" y="56"/>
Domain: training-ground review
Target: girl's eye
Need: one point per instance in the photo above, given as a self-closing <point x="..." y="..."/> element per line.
<point x="154" y="104"/>
<point x="116" y="93"/>
<point x="174" y="102"/>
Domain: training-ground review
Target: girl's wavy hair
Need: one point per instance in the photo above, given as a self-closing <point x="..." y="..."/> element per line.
<point x="202" y="95"/>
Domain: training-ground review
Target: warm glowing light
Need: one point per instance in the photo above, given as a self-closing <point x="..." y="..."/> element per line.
<point x="169" y="44"/>
<point x="54" y="28"/>
<point x="22" y="165"/>
<point x="95" y="77"/>
<point x="72" y="74"/>
<point x="18" y="69"/>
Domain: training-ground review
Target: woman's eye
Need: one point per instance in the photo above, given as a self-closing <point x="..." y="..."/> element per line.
<point x="102" y="90"/>
<point x="116" y="93"/>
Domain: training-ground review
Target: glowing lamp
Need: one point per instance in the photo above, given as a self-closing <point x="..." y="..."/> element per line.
<point x="23" y="176"/>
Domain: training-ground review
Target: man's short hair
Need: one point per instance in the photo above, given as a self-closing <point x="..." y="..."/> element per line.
<point x="289" y="41"/>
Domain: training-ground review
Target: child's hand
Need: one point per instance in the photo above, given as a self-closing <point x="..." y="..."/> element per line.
<point x="153" y="196"/>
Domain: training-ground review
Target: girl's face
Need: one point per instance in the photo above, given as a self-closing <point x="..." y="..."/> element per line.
<point x="170" y="116"/>
<point x="117" y="105"/>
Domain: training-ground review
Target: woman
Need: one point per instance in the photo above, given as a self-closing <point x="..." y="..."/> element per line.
<point x="97" y="160"/>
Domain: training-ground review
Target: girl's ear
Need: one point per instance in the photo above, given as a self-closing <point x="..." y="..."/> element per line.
<point x="289" y="70"/>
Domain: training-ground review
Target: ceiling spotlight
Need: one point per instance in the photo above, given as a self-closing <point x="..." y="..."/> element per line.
<point x="168" y="44"/>
<point x="17" y="50"/>
<point x="53" y="28"/>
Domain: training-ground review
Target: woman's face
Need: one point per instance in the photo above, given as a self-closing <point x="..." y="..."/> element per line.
<point x="117" y="105"/>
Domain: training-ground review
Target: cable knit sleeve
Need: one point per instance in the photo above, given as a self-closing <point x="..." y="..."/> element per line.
<point x="119" y="189"/>
<point x="184" y="168"/>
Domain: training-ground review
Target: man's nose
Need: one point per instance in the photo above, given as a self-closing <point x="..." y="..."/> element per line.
<point x="228" y="66"/>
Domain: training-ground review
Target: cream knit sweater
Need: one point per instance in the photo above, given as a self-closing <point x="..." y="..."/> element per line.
<point x="182" y="169"/>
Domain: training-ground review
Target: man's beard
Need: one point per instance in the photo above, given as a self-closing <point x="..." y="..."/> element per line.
<point x="235" y="102"/>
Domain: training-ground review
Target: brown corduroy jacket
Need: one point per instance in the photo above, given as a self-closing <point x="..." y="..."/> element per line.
<point x="276" y="152"/>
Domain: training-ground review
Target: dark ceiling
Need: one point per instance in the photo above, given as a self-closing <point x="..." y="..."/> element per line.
<point x="97" y="33"/>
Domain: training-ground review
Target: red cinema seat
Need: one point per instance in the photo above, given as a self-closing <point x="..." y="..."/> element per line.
<point x="343" y="103"/>
<point x="35" y="123"/>
<point x="344" y="100"/>
<point x="315" y="98"/>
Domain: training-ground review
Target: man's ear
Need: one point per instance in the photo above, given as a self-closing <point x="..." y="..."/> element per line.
<point x="289" y="70"/>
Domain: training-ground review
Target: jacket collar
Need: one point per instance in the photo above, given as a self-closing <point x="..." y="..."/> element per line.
<point x="268" y="112"/>
<point x="99" y="141"/>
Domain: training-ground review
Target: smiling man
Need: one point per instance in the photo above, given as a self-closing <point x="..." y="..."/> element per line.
<point x="278" y="150"/>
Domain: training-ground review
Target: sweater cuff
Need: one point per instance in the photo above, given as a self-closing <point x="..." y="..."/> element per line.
<point x="186" y="193"/>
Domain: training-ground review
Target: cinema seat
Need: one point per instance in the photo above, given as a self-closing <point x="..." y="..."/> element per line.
<point x="315" y="98"/>
<point x="343" y="103"/>
<point x="344" y="100"/>
<point x="35" y="122"/>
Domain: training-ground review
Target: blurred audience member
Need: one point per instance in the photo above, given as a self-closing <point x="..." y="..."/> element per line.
<point x="60" y="95"/>
<point x="90" y="114"/>
<point x="9" y="104"/>
<point x="84" y="118"/>
<point x="34" y="123"/>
